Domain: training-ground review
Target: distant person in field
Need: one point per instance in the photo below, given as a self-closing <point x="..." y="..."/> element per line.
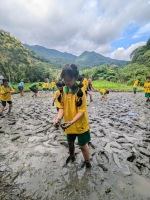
<point x="147" y="89"/>
<point x="6" y="92"/>
<point x="85" y="83"/>
<point x="103" y="94"/>
<point x="47" y="80"/>
<point x="21" y="88"/>
<point x="34" y="88"/>
<point x="53" y="85"/>
<point x="12" y="85"/>
<point x="45" y="86"/>
<point x="135" y="85"/>
<point x="90" y="88"/>
<point x="57" y="94"/>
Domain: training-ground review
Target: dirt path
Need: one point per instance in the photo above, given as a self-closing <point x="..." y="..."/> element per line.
<point x="33" y="152"/>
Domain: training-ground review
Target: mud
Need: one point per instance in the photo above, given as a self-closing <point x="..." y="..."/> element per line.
<point x="33" y="152"/>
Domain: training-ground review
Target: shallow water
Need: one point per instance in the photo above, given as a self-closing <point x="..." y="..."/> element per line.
<point x="33" y="152"/>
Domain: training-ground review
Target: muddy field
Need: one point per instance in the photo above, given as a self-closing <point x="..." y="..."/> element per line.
<point x="33" y="152"/>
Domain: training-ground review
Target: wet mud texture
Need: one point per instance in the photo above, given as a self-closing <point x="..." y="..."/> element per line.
<point x="33" y="152"/>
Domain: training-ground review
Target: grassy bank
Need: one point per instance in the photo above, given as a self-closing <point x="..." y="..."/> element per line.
<point x="113" y="86"/>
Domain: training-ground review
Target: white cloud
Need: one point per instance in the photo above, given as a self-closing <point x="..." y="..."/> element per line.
<point x="124" y="54"/>
<point x="74" y="26"/>
<point x="143" y="30"/>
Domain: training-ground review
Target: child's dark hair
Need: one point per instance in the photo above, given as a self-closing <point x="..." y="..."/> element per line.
<point x="107" y="92"/>
<point x="148" y="77"/>
<point x="80" y="78"/>
<point x="5" y="80"/>
<point x="70" y="70"/>
<point x="60" y="84"/>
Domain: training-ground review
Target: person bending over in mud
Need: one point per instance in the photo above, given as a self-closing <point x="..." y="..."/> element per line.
<point x="5" y="95"/>
<point x="73" y="107"/>
<point x="147" y="89"/>
<point x="103" y="94"/>
<point x="34" y="88"/>
<point x="57" y="94"/>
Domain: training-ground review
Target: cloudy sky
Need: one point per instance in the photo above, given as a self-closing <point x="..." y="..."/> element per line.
<point x="113" y="28"/>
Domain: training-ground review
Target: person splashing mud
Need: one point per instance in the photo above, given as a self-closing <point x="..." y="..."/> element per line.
<point x="73" y="108"/>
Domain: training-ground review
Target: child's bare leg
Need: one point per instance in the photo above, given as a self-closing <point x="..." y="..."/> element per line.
<point x="10" y="106"/>
<point x="85" y="152"/>
<point x="71" y="149"/>
<point x="2" y="110"/>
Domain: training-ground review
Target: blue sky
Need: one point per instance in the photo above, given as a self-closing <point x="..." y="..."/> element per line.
<point x="127" y="39"/>
<point x="112" y="28"/>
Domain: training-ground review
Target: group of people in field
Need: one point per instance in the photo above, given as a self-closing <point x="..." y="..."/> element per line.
<point x="146" y="87"/>
<point x="70" y="98"/>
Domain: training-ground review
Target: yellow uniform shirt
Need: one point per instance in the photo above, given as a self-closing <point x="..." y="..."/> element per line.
<point x="147" y="87"/>
<point x="45" y="85"/>
<point x="85" y="84"/>
<point x="136" y="84"/>
<point x="68" y="103"/>
<point x="0" y="93"/>
<point x="56" y="95"/>
<point x="53" y="84"/>
<point x="6" y="97"/>
<point x="103" y="91"/>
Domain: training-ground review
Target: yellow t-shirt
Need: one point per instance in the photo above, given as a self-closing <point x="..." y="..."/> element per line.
<point x="0" y="93"/>
<point x="103" y="91"/>
<point x="6" y="97"/>
<point x="68" y="103"/>
<point x="45" y="85"/>
<point x="53" y="84"/>
<point x="136" y="84"/>
<point x="56" y="95"/>
<point x="147" y="87"/>
<point x="85" y="84"/>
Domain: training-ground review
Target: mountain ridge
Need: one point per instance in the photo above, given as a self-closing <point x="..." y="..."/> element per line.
<point x="88" y="59"/>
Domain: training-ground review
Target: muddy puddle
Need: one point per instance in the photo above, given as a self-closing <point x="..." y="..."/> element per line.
<point x="33" y="152"/>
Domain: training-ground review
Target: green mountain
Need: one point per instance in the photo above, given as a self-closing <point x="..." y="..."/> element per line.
<point x="91" y="59"/>
<point x="57" y="57"/>
<point x="85" y="60"/>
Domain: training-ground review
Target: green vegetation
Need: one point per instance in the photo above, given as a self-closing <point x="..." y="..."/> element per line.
<point x="18" y="63"/>
<point x="113" y="86"/>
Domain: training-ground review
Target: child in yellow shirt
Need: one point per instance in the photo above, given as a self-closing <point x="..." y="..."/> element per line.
<point x="73" y="108"/>
<point x="147" y="89"/>
<point x="6" y="91"/>
<point x="53" y="84"/>
<point x="103" y="93"/>
<point x="135" y="85"/>
<point x="45" y="86"/>
<point x="57" y="94"/>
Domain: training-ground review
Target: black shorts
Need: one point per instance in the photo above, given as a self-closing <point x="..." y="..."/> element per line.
<point x="33" y="90"/>
<point x="4" y="103"/>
